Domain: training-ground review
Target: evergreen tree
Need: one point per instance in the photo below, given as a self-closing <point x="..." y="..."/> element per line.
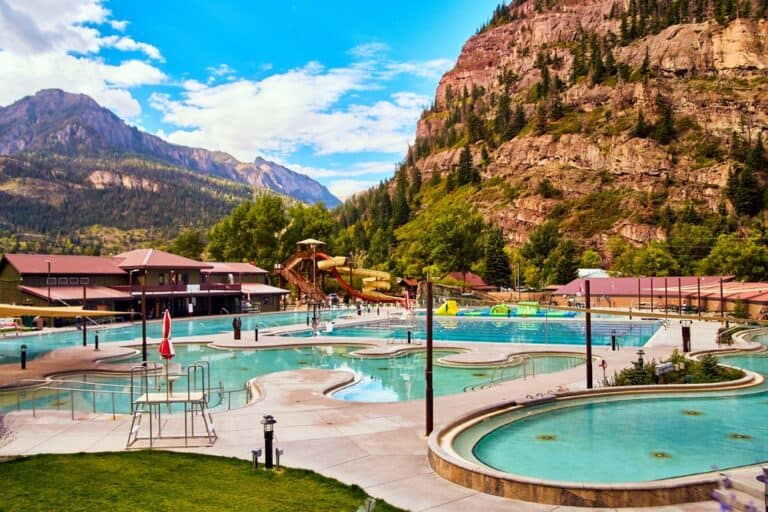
<point x="641" y="127"/>
<point x="502" y="123"/>
<point x="519" y="121"/>
<point x="496" y="260"/>
<point x="465" y="170"/>
<point x="664" y="128"/>
<point x="400" y="208"/>
<point x="755" y="158"/>
<point x="645" y="67"/>
<point x="596" y="67"/>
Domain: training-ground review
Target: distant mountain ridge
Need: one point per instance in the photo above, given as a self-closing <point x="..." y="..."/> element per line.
<point x="75" y="125"/>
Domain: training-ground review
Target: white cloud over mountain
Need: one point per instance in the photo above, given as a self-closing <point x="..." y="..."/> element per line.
<point x="321" y="110"/>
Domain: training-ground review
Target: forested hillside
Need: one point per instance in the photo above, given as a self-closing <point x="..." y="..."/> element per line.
<point x="593" y="132"/>
<point x="58" y="195"/>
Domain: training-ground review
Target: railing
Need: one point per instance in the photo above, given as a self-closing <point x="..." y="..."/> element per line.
<point x="36" y="387"/>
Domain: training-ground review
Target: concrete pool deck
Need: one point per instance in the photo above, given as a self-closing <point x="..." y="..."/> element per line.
<point x="381" y="447"/>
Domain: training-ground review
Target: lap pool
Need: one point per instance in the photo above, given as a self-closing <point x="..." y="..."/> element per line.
<point x="502" y="330"/>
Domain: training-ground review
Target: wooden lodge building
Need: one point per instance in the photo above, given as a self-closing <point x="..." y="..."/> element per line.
<point x="119" y="283"/>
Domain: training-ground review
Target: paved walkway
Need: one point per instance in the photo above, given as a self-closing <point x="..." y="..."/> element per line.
<point x="381" y="447"/>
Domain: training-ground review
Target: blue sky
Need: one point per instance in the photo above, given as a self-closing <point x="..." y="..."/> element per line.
<point x="331" y="89"/>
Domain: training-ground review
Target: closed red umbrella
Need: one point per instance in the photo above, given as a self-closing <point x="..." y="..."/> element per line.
<point x="166" y="350"/>
<point x="166" y="347"/>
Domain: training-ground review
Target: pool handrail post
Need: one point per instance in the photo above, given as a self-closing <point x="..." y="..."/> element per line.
<point x="588" y="333"/>
<point x="428" y="371"/>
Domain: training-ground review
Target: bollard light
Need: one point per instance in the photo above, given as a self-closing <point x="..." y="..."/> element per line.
<point x="255" y="454"/>
<point x="278" y="453"/>
<point x="269" y="426"/>
<point x="256" y="334"/>
<point x="96" y="341"/>
<point x="23" y="357"/>
<point x="640" y="354"/>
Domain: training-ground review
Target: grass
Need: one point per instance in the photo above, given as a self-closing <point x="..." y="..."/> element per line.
<point x="157" y="480"/>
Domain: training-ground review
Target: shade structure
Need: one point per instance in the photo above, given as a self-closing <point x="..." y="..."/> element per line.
<point x="310" y="241"/>
<point x="166" y="346"/>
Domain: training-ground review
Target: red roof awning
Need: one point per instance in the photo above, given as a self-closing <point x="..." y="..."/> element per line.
<point x="75" y="293"/>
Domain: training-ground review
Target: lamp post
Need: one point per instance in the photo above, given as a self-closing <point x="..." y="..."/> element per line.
<point x="640" y="354"/>
<point x="144" y="318"/>
<point x="269" y="426"/>
<point x="48" y="281"/>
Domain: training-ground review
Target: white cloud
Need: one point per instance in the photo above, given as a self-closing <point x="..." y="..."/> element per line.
<point x="432" y="69"/>
<point x="286" y="111"/>
<point x="120" y="25"/>
<point x="346" y="188"/>
<point x="383" y="168"/>
<point x="368" y="50"/>
<point x="127" y="44"/>
<point x="46" y="44"/>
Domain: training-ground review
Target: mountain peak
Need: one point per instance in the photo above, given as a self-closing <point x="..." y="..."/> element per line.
<point x="55" y="121"/>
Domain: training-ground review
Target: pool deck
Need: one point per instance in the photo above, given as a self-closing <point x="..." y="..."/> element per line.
<point x="380" y="447"/>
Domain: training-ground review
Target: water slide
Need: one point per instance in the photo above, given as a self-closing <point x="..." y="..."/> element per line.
<point x="373" y="280"/>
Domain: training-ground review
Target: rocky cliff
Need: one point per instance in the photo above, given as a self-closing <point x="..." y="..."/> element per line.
<point x="626" y="108"/>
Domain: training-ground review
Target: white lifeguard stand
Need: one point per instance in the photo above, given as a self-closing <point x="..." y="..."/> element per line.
<point x="148" y="401"/>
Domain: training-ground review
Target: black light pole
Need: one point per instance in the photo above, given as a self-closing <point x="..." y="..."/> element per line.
<point x="144" y="318"/>
<point x="588" y="332"/>
<point x="48" y="281"/>
<point x="85" y="328"/>
<point x="269" y="426"/>
<point x="428" y="373"/>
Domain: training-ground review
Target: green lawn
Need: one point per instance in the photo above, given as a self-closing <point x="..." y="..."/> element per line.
<point x="157" y="480"/>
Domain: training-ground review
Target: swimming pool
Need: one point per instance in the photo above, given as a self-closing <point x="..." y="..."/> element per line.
<point x="387" y="379"/>
<point x="614" y="439"/>
<point x="502" y="330"/>
<point x="42" y="343"/>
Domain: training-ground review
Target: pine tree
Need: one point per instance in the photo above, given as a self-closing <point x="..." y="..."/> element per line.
<point x="497" y="270"/>
<point x="641" y="127"/>
<point x="503" y="121"/>
<point x="464" y="175"/>
<point x="519" y="121"/>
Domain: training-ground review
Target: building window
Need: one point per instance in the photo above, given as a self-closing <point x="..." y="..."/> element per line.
<point x="63" y="280"/>
<point x="84" y="280"/>
<point x="51" y="281"/>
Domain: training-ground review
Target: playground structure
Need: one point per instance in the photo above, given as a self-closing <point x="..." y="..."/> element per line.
<point x="297" y="267"/>
<point x="521" y="309"/>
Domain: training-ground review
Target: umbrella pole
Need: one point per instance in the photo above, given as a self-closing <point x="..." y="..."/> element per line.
<point x="167" y="387"/>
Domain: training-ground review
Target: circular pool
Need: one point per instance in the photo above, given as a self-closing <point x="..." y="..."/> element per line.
<point x="608" y="448"/>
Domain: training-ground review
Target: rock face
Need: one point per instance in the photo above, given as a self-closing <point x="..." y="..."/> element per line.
<point x="75" y="125"/>
<point x="713" y="75"/>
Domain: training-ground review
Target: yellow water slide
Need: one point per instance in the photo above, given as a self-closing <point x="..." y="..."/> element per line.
<point x="374" y="281"/>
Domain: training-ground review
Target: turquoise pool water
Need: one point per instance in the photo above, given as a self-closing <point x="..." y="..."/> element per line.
<point x="377" y="379"/>
<point x="43" y="343"/>
<point x="504" y="330"/>
<point x="629" y="439"/>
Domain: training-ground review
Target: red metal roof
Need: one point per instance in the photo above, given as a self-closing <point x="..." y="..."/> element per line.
<point x="63" y="264"/>
<point x="218" y="267"/>
<point x="153" y="258"/>
<point x="75" y="293"/>
<point x="471" y="278"/>
<point x="628" y="286"/>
